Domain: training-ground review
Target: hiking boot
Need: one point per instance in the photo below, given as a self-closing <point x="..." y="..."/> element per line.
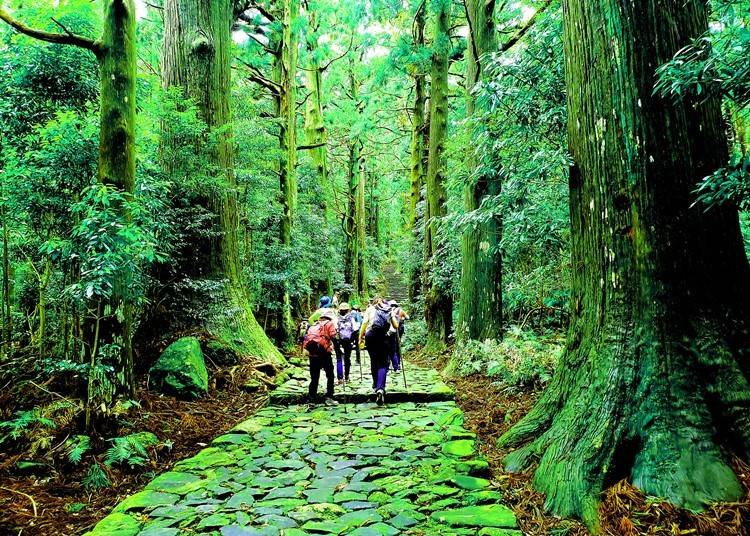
<point x="330" y="402"/>
<point x="380" y="397"/>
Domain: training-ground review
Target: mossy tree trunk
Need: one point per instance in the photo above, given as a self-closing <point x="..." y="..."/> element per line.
<point x="285" y="71"/>
<point x="653" y="384"/>
<point x="116" y="52"/>
<point x="355" y="223"/>
<point x="315" y="130"/>
<point x="361" y="220"/>
<point x="417" y="152"/>
<point x="438" y="297"/>
<point x="351" y="248"/>
<point x="481" y="297"/>
<point x="197" y="57"/>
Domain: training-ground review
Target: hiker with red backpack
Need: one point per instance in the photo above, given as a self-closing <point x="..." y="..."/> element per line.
<point x="318" y="345"/>
<point x="348" y="328"/>
<point x="378" y="326"/>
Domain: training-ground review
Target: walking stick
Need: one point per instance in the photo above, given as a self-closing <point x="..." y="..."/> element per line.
<point x="401" y="355"/>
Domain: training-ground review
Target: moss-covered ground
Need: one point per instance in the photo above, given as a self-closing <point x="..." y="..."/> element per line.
<point x="404" y="468"/>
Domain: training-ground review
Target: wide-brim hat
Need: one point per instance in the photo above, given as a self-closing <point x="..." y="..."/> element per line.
<point x="345" y="307"/>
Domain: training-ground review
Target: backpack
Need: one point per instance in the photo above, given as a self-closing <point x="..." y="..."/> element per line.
<point x="316" y="341"/>
<point x="381" y="322"/>
<point x="346" y="328"/>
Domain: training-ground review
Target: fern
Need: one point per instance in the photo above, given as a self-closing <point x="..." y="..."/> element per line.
<point x="76" y="447"/>
<point x="96" y="478"/>
<point x="24" y="423"/>
<point x="131" y="449"/>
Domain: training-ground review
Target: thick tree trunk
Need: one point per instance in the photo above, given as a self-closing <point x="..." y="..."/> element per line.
<point x="654" y="381"/>
<point x="196" y="56"/>
<point x="355" y="270"/>
<point x="285" y="74"/>
<point x="481" y="303"/>
<point x="315" y="130"/>
<point x="117" y="67"/>
<point x="438" y="298"/>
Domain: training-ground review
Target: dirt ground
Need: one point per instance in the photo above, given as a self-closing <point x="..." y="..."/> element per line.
<point x="41" y="504"/>
<point x="625" y="511"/>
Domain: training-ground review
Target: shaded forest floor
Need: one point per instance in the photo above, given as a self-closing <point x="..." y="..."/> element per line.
<point x="48" y="503"/>
<point x="625" y="511"/>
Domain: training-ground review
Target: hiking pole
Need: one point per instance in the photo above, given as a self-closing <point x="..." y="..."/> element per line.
<point x="361" y="353"/>
<point x="401" y="355"/>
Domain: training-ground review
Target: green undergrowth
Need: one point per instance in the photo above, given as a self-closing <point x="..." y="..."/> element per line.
<point x="522" y="360"/>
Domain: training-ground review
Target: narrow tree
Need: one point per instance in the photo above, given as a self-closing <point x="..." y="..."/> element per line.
<point x="110" y="321"/>
<point x="355" y="271"/>
<point x="481" y="297"/>
<point x="438" y="298"/>
<point x="196" y="57"/>
<point x="417" y="148"/>
<point x="419" y="143"/>
<point x="653" y="384"/>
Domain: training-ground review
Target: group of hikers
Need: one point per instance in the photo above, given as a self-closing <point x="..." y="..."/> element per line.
<point x="340" y="328"/>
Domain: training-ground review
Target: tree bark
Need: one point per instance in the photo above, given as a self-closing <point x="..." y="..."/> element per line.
<point x="351" y="252"/>
<point x="438" y="298"/>
<point x="481" y="302"/>
<point x="315" y="130"/>
<point x="355" y="270"/>
<point x="417" y="151"/>
<point x="654" y="381"/>
<point x="285" y="73"/>
<point x="197" y="57"/>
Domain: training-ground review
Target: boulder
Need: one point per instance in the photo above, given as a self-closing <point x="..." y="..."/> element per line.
<point x="180" y="370"/>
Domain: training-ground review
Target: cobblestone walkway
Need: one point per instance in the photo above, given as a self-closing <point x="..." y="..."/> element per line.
<point x="405" y="468"/>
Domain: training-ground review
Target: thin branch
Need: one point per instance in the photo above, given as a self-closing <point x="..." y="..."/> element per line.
<point x="67" y="38"/>
<point x="337" y="58"/>
<point x="513" y="41"/>
<point x="311" y="146"/>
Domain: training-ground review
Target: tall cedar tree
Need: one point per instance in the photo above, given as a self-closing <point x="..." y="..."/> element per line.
<point x="419" y="143"/>
<point x="355" y="271"/>
<point x="196" y="57"/>
<point x="481" y="300"/>
<point x="438" y="298"/>
<point x="285" y="75"/>
<point x="654" y="381"/>
<point x="109" y="322"/>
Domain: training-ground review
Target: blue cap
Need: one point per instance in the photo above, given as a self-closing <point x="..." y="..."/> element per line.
<point x="325" y="301"/>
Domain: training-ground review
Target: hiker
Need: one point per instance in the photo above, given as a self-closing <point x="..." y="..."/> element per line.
<point x="348" y="329"/>
<point x="335" y="300"/>
<point x="376" y="330"/>
<point x="358" y="318"/>
<point x="318" y="345"/>
<point x="325" y="305"/>
<point x="400" y="317"/>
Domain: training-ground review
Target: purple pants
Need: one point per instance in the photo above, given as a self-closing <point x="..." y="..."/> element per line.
<point x="378" y="348"/>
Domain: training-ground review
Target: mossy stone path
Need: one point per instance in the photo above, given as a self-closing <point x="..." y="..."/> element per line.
<point x="407" y="468"/>
<point x="422" y="385"/>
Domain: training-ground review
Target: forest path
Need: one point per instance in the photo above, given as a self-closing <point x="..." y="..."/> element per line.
<point x="360" y="469"/>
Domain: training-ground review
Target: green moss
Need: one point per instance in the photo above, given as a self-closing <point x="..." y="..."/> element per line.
<point x="116" y="524"/>
<point x="181" y="370"/>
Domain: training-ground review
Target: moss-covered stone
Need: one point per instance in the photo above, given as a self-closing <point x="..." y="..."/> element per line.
<point x="493" y="515"/>
<point x="116" y="524"/>
<point x="461" y="448"/>
<point x="180" y="370"/>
